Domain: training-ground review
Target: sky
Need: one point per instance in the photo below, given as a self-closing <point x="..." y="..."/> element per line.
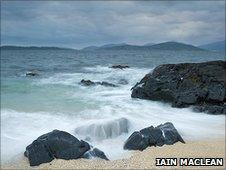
<point x="79" y="24"/>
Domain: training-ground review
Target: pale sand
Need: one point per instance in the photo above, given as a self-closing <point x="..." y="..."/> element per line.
<point x="138" y="160"/>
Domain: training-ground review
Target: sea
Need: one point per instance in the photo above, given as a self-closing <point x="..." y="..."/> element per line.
<point x="103" y="116"/>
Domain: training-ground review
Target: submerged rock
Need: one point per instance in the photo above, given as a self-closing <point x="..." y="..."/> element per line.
<point x="123" y="81"/>
<point x="31" y="73"/>
<point x="87" y="82"/>
<point x="186" y="84"/>
<point x="119" y="67"/>
<point x="105" y="130"/>
<point x="153" y="136"/>
<point x="95" y="153"/>
<point x="104" y="83"/>
<point x="56" y="144"/>
<point x="91" y="83"/>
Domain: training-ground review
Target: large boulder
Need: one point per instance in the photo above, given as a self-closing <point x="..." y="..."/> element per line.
<point x="56" y="144"/>
<point x="186" y="84"/>
<point x="153" y="136"/>
<point x="136" y="142"/>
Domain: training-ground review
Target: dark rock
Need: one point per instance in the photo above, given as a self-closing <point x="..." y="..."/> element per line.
<point x="38" y="153"/>
<point x="95" y="153"/>
<point x="186" y="84"/>
<point x="104" y="83"/>
<point x="136" y="142"/>
<point x="171" y="134"/>
<point x="91" y="83"/>
<point x="119" y="67"/>
<point x="31" y="73"/>
<point x="211" y="109"/>
<point x="153" y="136"/>
<point x="87" y="82"/>
<point x="56" y="144"/>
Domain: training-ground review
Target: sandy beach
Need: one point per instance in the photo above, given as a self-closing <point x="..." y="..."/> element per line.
<point x="138" y="160"/>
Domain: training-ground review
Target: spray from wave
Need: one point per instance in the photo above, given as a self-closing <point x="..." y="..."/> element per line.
<point x="105" y="116"/>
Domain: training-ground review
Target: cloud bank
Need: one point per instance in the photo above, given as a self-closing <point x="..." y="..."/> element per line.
<point x="78" y="24"/>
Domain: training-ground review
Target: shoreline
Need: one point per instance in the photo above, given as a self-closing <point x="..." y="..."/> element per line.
<point x="139" y="159"/>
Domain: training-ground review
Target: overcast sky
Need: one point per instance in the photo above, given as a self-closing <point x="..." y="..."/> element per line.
<point x="78" y="24"/>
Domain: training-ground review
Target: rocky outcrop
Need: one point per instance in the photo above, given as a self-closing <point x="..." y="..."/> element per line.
<point x="56" y="144"/>
<point x="119" y="67"/>
<point x="187" y="84"/>
<point x="211" y="108"/>
<point x="91" y="83"/>
<point x="153" y="136"/>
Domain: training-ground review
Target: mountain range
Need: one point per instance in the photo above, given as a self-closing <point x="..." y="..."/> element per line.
<point x="150" y="46"/>
<point x="12" y="47"/>
<point x="216" y="46"/>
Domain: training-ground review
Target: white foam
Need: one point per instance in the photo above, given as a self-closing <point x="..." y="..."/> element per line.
<point x="104" y="130"/>
<point x="20" y="128"/>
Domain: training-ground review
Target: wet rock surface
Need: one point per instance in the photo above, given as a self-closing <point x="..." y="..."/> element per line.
<point x="91" y="83"/>
<point x="153" y="136"/>
<point x="120" y="67"/>
<point x="95" y="153"/>
<point x="31" y="73"/>
<point x="57" y="144"/>
<point x="186" y="84"/>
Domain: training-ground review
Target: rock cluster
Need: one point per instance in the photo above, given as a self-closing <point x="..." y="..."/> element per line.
<point x="187" y="84"/>
<point x="91" y="83"/>
<point x="153" y="136"/>
<point x="119" y="67"/>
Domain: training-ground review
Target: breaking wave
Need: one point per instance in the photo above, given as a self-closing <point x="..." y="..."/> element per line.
<point x="105" y="130"/>
<point x="104" y="115"/>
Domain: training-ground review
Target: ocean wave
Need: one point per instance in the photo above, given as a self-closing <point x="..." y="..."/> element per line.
<point x="97" y="73"/>
<point x="104" y="130"/>
<point x="97" y="111"/>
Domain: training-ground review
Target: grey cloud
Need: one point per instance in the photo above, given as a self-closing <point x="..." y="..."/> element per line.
<point x="78" y="24"/>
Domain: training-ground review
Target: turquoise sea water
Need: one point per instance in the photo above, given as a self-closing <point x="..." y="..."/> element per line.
<point x="31" y="106"/>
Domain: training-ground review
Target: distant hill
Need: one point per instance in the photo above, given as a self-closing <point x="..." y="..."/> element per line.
<point x="103" y="46"/>
<point x="174" y="46"/>
<point x="112" y="45"/>
<point x="216" y="46"/>
<point x="160" y="46"/>
<point x="90" y="48"/>
<point x="149" y="44"/>
<point x="122" y="47"/>
<point x="11" y="47"/>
